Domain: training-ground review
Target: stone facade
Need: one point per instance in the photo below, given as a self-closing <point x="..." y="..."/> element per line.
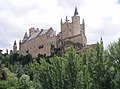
<point x="41" y="41"/>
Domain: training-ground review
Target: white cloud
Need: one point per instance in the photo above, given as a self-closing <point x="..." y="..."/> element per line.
<point x="102" y="19"/>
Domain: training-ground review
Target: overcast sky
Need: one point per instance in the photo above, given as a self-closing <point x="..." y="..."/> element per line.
<point x="102" y="18"/>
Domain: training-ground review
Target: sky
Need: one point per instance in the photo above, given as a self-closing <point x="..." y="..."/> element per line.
<point x="102" y="18"/>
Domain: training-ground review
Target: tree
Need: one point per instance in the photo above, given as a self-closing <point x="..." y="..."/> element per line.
<point x="25" y="83"/>
<point x="27" y="59"/>
<point x="113" y="54"/>
<point x="72" y="69"/>
<point x="11" y="82"/>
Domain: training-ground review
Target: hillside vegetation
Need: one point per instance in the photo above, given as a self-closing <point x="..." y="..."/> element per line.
<point x="95" y="69"/>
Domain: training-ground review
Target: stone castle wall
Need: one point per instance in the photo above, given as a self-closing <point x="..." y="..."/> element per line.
<point x="41" y="41"/>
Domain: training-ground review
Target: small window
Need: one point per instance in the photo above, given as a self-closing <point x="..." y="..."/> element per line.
<point x="27" y="51"/>
<point x="41" y="46"/>
<point x="63" y="30"/>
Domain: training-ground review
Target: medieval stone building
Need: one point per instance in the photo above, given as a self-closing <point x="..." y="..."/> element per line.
<point x="41" y="41"/>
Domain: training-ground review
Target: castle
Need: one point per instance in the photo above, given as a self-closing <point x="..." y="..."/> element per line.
<point x="40" y="41"/>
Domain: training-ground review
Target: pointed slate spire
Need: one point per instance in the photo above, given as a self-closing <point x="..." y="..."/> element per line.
<point x="76" y="12"/>
<point x="61" y="20"/>
<point x="83" y="20"/>
<point x="15" y="43"/>
<point x="15" y="47"/>
<point x="101" y="39"/>
<point x="25" y="36"/>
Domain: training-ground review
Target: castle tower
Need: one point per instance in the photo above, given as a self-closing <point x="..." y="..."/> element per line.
<point x="76" y="23"/>
<point x="65" y="28"/>
<point x="15" y="47"/>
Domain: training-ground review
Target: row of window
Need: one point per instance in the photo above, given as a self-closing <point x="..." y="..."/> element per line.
<point x="40" y="46"/>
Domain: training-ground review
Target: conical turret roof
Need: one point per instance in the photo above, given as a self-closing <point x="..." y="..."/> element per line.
<point x="76" y="12"/>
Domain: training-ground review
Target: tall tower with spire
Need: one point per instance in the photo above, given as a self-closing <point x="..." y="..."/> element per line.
<point x="15" y="47"/>
<point x="74" y="29"/>
<point x="76" y="23"/>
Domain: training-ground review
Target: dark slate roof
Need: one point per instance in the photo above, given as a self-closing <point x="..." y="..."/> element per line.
<point x="25" y="37"/>
<point x="15" y="43"/>
<point x="76" y="12"/>
<point x="39" y="33"/>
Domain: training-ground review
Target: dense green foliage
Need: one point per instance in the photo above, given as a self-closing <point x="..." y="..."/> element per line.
<point x="94" y="69"/>
<point x="11" y="82"/>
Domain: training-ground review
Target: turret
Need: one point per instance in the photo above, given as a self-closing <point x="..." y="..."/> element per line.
<point x="33" y="31"/>
<point x="66" y="19"/>
<point x="83" y="24"/>
<point x="15" y="43"/>
<point x="61" y="22"/>
<point x="20" y="44"/>
<point x="6" y="51"/>
<point x="101" y="41"/>
<point x="15" y="47"/>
